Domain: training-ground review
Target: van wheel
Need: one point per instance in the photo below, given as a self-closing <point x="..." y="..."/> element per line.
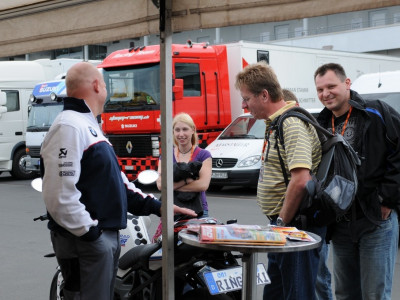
<point x="18" y="166"/>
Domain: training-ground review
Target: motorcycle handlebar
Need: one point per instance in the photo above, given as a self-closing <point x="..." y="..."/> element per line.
<point x="41" y="218"/>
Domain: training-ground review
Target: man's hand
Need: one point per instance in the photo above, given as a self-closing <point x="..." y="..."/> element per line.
<point x="385" y="211"/>
<point x="184" y="211"/>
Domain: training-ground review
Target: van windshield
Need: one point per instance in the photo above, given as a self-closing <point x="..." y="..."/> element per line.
<point x="41" y="116"/>
<point x="245" y="127"/>
<point x="393" y="99"/>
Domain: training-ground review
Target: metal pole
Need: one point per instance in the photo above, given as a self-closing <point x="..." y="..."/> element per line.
<point x="168" y="282"/>
<point x="86" y="52"/>
<point x="249" y="269"/>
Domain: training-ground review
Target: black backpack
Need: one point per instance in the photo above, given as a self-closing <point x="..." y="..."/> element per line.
<point x="332" y="189"/>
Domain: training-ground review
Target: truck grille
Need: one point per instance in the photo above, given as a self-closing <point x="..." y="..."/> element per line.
<point x="224" y="162"/>
<point x="34" y="151"/>
<point x="131" y="145"/>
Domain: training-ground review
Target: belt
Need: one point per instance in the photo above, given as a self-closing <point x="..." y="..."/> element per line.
<point x="110" y="229"/>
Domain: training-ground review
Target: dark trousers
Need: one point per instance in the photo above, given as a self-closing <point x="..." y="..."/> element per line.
<point x="88" y="268"/>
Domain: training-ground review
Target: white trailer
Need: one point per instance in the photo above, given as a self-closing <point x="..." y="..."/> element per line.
<point x="382" y="85"/>
<point x="295" y="69"/>
<point x="17" y="79"/>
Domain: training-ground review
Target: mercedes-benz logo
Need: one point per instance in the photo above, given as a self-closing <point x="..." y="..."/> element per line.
<point x="219" y="163"/>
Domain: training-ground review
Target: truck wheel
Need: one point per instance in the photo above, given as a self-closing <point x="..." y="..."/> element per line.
<point x="18" y="166"/>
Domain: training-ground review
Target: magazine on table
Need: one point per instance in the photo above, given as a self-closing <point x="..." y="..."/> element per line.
<point x="248" y="234"/>
<point x="240" y="234"/>
<point x="293" y="234"/>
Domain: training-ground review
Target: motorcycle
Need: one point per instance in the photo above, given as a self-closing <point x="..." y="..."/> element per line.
<point x="140" y="263"/>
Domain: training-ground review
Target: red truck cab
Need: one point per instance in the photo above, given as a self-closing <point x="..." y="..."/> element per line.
<point x="131" y="117"/>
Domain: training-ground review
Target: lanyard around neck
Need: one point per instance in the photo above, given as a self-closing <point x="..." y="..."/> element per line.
<point x="191" y="154"/>
<point x="345" y="123"/>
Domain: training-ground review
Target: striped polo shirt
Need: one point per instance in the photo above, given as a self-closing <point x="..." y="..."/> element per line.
<point x="302" y="150"/>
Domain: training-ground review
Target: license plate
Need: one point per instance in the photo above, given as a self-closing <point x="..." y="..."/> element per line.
<point x="229" y="280"/>
<point x="219" y="175"/>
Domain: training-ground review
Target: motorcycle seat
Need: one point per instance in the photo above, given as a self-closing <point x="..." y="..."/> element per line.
<point x="138" y="257"/>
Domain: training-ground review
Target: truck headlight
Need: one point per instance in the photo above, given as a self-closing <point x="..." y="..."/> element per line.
<point x="155" y="145"/>
<point x="250" y="161"/>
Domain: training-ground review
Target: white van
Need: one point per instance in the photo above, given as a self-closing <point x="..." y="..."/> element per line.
<point x="384" y="86"/>
<point x="236" y="152"/>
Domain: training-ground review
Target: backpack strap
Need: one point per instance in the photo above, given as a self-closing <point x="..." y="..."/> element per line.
<point x="304" y="115"/>
<point x="327" y="139"/>
<point x="277" y="126"/>
<point x="376" y="112"/>
<point x="392" y="145"/>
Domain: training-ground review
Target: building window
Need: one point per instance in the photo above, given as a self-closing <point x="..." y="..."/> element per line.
<point x="298" y="32"/>
<point x="203" y="39"/>
<point x="356" y="23"/>
<point x="396" y="18"/>
<point x="98" y="52"/>
<point x="264" y="37"/>
<point x="281" y="32"/>
<point x="377" y="18"/>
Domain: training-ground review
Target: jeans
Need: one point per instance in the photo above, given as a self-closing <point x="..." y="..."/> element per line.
<point x="364" y="269"/>
<point x="323" y="286"/>
<point x="293" y="274"/>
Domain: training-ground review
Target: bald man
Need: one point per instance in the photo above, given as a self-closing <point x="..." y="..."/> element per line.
<point x="86" y="195"/>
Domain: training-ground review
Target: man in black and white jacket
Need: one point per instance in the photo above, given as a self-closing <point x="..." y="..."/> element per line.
<point x="86" y="195"/>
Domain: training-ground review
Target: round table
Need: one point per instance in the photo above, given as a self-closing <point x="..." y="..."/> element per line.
<point x="249" y="258"/>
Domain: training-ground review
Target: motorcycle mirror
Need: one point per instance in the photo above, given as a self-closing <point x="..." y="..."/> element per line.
<point x="148" y="176"/>
<point x="37" y="184"/>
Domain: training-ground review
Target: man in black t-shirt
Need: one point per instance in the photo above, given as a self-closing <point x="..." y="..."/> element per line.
<point x="364" y="242"/>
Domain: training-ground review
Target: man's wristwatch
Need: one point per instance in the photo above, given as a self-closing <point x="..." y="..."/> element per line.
<point x="279" y="222"/>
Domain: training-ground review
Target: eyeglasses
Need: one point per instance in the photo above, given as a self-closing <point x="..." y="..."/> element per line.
<point x="247" y="99"/>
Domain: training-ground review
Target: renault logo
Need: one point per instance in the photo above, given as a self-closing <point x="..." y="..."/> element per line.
<point x="129" y="147"/>
<point x="219" y="163"/>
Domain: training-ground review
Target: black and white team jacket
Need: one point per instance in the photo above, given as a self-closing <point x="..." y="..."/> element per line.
<point x="83" y="185"/>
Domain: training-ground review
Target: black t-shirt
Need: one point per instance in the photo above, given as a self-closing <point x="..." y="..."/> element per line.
<point x="353" y="130"/>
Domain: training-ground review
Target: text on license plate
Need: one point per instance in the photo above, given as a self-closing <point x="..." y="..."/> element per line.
<point x="228" y="280"/>
<point x="219" y="175"/>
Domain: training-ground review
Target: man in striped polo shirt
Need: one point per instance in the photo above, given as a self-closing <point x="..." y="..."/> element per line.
<point x="292" y="275"/>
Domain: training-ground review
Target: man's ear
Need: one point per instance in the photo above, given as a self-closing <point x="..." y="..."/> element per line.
<point x="265" y="94"/>
<point x="348" y="83"/>
<point x="96" y="85"/>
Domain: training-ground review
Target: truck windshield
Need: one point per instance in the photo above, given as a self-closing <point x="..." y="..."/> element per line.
<point x="393" y="99"/>
<point x="245" y="127"/>
<point x="41" y="116"/>
<point x="130" y="89"/>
